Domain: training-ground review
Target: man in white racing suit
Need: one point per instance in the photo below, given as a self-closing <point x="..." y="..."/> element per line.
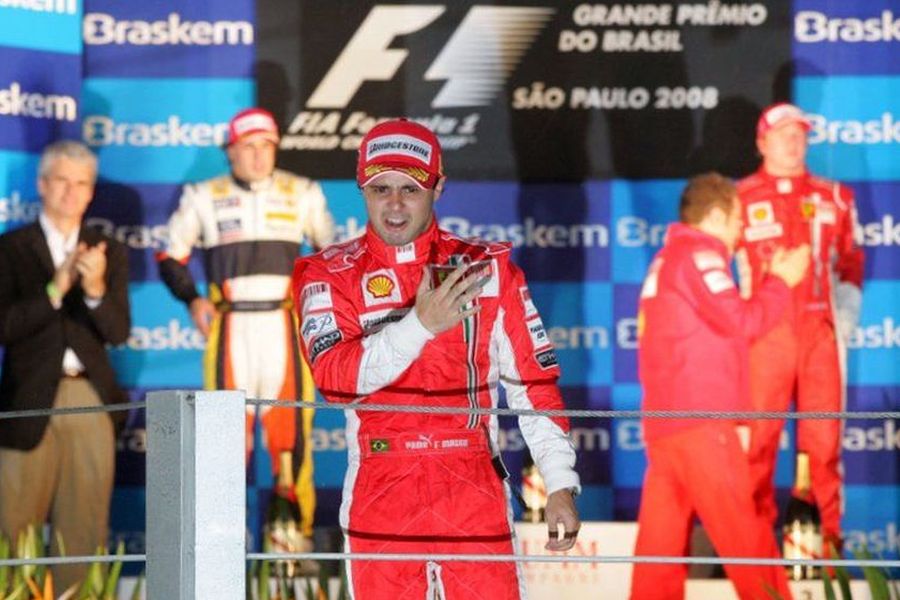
<point x="251" y="223"/>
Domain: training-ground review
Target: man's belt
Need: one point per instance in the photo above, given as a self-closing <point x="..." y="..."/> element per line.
<point x="254" y="305"/>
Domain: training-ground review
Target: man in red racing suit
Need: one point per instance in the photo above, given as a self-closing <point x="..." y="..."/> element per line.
<point x="785" y="205"/>
<point x="694" y="335"/>
<point x="409" y="314"/>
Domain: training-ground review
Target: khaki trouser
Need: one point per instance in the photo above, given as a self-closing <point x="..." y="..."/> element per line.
<point x="67" y="479"/>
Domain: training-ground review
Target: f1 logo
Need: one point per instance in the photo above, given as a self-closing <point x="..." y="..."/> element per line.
<point x="477" y="59"/>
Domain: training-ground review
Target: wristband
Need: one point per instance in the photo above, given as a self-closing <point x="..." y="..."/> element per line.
<point x="53" y="291"/>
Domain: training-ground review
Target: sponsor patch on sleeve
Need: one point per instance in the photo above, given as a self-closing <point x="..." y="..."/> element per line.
<point x="538" y="334"/>
<point x="316" y="324"/>
<point x="323" y="343"/>
<point x="316" y="296"/>
<point x="546" y="358"/>
<point x="718" y="281"/>
<point x="527" y="302"/>
<point x="707" y="259"/>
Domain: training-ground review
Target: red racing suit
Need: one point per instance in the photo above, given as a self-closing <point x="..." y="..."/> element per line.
<point x="694" y="332"/>
<point x="428" y="483"/>
<point x="251" y="235"/>
<point x="804" y="355"/>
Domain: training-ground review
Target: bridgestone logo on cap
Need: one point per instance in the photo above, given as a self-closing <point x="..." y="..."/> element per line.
<point x="253" y="123"/>
<point x="782" y="112"/>
<point x="404" y="145"/>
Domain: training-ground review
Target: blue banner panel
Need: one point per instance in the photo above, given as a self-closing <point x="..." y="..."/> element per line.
<point x="641" y="212"/>
<point x="178" y="38"/>
<point x="872" y="520"/>
<point x="39" y="94"/>
<point x="846" y="38"/>
<point x="879" y="222"/>
<point x="164" y="349"/>
<point x="875" y="344"/>
<point x="629" y="458"/>
<point x="161" y="130"/>
<point x="18" y="194"/>
<point x="51" y="25"/>
<point x="871" y="447"/>
<point x="856" y="126"/>
<point x="127" y="515"/>
<point x="577" y="319"/>
<point x="625" y="309"/>
<point x="137" y="215"/>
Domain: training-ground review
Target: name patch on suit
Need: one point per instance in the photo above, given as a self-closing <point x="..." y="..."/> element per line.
<point x="718" y="281"/>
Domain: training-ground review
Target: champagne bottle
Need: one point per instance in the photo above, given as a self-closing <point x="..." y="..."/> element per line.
<point x="802" y="524"/>
<point x="534" y="493"/>
<point x="282" y="529"/>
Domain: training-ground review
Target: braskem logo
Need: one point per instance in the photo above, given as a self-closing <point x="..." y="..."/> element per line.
<point x="180" y="39"/>
<point x="39" y="94"/>
<point x="559" y="232"/>
<point x="875" y="344"/>
<point x="855" y="126"/>
<point x="879" y="227"/>
<point x="17" y="102"/>
<point x="164" y="348"/>
<point x="870" y="520"/>
<point x="47" y="25"/>
<point x="641" y="212"/>
<point x="870" y="448"/>
<point x="568" y="243"/>
<point x="846" y="38"/>
<point x="14" y="211"/>
<point x="17" y="189"/>
<point x="161" y="130"/>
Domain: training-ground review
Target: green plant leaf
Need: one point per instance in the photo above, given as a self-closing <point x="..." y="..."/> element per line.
<point x="827" y="583"/>
<point x="262" y="582"/>
<point x="136" y="594"/>
<point x="877" y="581"/>
<point x="18" y="592"/>
<point x="772" y="592"/>
<point x="112" y="577"/>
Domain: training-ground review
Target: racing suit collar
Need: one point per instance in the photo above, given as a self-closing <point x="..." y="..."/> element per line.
<point x="677" y="231"/>
<point x="416" y="252"/>
<point x="256" y="186"/>
<point x="786" y="185"/>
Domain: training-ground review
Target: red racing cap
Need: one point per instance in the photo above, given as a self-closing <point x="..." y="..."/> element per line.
<point x="780" y="114"/>
<point x="252" y="120"/>
<point x="400" y="146"/>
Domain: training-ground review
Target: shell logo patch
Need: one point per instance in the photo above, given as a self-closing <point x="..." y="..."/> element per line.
<point x="380" y="286"/>
<point x="760" y="213"/>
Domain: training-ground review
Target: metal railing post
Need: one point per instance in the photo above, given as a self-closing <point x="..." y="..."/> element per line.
<point x="196" y="495"/>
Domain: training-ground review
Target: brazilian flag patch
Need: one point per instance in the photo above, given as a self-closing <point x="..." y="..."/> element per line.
<point x="379" y="446"/>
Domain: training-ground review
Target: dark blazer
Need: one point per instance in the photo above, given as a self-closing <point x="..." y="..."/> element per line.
<point x="35" y="335"/>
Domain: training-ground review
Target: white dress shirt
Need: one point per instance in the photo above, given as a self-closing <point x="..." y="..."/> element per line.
<point x="62" y="246"/>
